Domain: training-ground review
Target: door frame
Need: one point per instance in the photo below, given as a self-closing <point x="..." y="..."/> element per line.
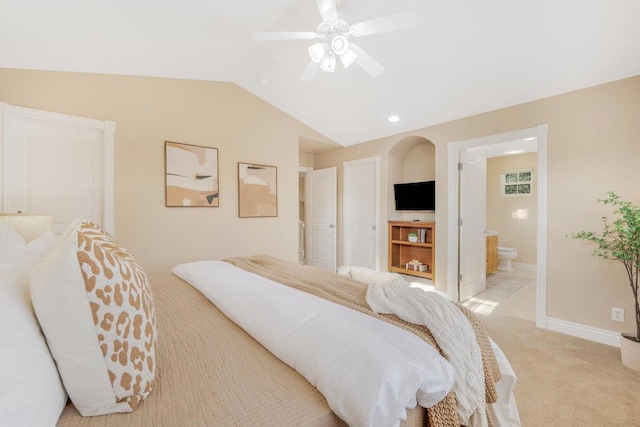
<point x="454" y="148"/>
<point x="302" y="172"/>
<point x="107" y="130"/>
<point x="348" y="209"/>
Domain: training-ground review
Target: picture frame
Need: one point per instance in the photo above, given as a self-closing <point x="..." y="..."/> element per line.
<point x="257" y="190"/>
<point x="191" y="175"/>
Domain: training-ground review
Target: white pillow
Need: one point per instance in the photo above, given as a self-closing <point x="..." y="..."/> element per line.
<point x="95" y="308"/>
<point x="43" y="243"/>
<point x="31" y="393"/>
<point x="9" y="234"/>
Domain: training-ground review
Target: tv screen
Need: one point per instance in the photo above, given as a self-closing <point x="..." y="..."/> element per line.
<point x="415" y="196"/>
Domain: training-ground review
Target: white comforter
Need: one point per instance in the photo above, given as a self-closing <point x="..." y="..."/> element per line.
<point x="370" y="372"/>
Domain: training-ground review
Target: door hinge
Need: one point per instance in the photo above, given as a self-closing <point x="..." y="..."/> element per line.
<point x="460" y="222"/>
<point x="459" y="277"/>
<point x="459" y="166"/>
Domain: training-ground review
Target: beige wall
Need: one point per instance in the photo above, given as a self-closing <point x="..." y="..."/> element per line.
<point x="515" y="231"/>
<point x="305" y="159"/>
<point x="593" y="146"/>
<point x="148" y="111"/>
<point x="420" y="163"/>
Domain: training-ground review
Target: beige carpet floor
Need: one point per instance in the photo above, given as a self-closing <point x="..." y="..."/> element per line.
<point x="566" y="381"/>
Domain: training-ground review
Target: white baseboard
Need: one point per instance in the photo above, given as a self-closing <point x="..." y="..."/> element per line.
<point x="582" y="331"/>
<point x="524" y="266"/>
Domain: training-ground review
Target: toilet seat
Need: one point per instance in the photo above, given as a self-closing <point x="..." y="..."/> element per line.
<point x="505" y="249"/>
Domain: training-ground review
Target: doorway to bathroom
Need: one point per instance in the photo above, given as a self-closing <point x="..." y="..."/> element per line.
<point x="512" y="210"/>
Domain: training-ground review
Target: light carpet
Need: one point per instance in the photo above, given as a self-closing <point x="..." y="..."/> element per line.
<point x="504" y="285"/>
<point x="563" y="380"/>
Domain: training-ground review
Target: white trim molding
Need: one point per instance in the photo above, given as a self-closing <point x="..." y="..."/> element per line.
<point x="454" y="148"/>
<point x="585" y="332"/>
<point x="541" y="253"/>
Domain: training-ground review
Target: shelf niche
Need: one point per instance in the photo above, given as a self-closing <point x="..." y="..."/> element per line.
<point x="402" y="251"/>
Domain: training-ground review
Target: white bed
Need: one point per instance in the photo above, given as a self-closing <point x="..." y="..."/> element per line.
<point x="223" y="363"/>
<point x="348" y="355"/>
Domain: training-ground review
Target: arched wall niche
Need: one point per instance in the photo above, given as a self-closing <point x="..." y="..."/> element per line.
<point x="411" y="159"/>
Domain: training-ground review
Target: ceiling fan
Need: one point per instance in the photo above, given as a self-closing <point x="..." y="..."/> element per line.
<point x="334" y="36"/>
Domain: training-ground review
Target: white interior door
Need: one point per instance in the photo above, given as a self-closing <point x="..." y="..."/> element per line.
<point x="361" y="204"/>
<point x="473" y="213"/>
<point x="321" y="213"/>
<point x="57" y="164"/>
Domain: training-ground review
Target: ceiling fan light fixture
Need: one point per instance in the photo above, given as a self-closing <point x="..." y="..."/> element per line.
<point x="328" y="63"/>
<point x="318" y="51"/>
<point x="335" y="37"/>
<point x="348" y="58"/>
<point x="339" y="45"/>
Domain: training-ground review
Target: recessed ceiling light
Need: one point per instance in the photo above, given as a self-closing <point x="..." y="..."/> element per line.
<point x="530" y="138"/>
<point x="514" y="152"/>
<point x="394" y="119"/>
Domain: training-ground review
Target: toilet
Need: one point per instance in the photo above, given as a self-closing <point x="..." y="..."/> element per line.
<point x="505" y="255"/>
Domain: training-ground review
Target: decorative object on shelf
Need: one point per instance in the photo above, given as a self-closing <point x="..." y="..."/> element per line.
<point x="257" y="190"/>
<point x="191" y="175"/>
<point x="412" y="237"/>
<point x="416" y="265"/>
<point x="29" y="226"/>
<point x="620" y="241"/>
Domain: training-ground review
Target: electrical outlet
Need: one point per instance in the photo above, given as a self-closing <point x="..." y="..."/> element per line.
<point x="617" y="314"/>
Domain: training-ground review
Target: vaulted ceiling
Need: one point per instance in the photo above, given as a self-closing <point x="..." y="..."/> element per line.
<point x="464" y="57"/>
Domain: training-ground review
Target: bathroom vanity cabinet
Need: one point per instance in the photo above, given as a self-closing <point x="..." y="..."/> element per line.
<point x="492" y="254"/>
<point x="402" y="250"/>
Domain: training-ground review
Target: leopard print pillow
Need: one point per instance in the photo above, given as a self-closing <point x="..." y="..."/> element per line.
<point x="98" y="304"/>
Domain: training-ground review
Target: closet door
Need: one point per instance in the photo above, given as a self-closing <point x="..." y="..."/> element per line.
<point x="57" y="164"/>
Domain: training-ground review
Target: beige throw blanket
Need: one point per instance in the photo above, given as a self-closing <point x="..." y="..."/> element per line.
<point x="352" y="294"/>
<point x="452" y="332"/>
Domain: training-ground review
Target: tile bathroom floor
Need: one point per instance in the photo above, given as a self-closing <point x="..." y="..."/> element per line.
<point x="521" y="304"/>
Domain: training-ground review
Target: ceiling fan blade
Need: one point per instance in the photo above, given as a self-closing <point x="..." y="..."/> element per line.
<point x="399" y="21"/>
<point x="283" y="35"/>
<point x="366" y="61"/>
<point x="310" y="72"/>
<point x="348" y="58"/>
<point x="328" y="10"/>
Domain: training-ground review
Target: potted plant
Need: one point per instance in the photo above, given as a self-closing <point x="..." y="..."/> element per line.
<point x="412" y="237"/>
<point x="620" y="241"/>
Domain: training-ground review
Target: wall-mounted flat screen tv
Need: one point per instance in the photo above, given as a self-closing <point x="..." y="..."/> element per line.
<point x="415" y="196"/>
